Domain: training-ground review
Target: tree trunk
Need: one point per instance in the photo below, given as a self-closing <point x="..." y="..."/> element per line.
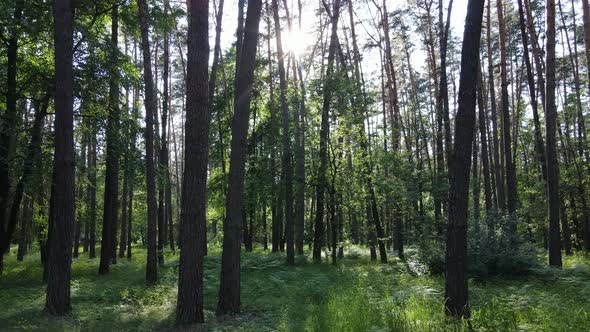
<point x="484" y="144"/>
<point x="539" y="145"/>
<point x="194" y="200"/>
<point x="91" y="188"/>
<point x="551" y="147"/>
<point x="150" y="109"/>
<point x="586" y="19"/>
<point x="498" y="174"/>
<point x="8" y="133"/>
<point x="229" y="289"/>
<point x="59" y="258"/>
<point x="324" y="132"/>
<point x="111" y="186"/>
<point x="510" y="165"/>
<point x="456" y="250"/>
<point x="287" y="172"/>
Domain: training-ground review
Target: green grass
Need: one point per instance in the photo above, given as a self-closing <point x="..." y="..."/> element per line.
<point x="355" y="295"/>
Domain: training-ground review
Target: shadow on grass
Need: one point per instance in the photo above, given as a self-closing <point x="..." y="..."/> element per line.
<point x="354" y="295"/>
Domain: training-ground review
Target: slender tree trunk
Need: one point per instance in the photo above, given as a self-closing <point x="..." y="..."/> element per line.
<point x="79" y="198"/>
<point x="586" y="19"/>
<point x="229" y="289"/>
<point x="506" y="124"/>
<point x="111" y="191"/>
<point x="539" y="144"/>
<point x="287" y="172"/>
<point x="194" y="200"/>
<point x="456" y="303"/>
<point x="8" y="133"/>
<point x="299" y="117"/>
<point x="484" y="144"/>
<point x="59" y="258"/>
<point x="150" y="109"/>
<point x="551" y="147"/>
<point x="91" y="190"/>
<point x="324" y="132"/>
<point x="498" y="174"/>
<point x="124" y="204"/>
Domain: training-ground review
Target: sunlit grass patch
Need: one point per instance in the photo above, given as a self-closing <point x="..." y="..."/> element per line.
<point x="354" y="295"/>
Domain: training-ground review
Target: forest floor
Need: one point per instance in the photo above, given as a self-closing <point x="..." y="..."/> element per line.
<point x="354" y="295"/>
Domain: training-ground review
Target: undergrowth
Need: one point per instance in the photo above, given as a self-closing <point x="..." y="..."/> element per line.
<point x="354" y="295"/>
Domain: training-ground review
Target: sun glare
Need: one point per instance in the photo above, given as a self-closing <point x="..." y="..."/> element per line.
<point x="296" y="41"/>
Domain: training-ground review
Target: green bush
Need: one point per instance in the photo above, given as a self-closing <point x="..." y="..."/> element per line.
<point x="492" y="249"/>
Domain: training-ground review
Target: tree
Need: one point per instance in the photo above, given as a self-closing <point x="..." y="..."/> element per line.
<point x="189" y="308"/>
<point x="456" y="303"/>
<point x="551" y="147"/>
<point x="287" y="172"/>
<point x="229" y="288"/>
<point x="59" y="258"/>
<point x="150" y="108"/>
<point x="111" y="192"/>
<point x="327" y="93"/>
<point x="506" y="124"/>
<point x="7" y="132"/>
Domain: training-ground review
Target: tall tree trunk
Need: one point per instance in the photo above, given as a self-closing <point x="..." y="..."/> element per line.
<point x="287" y="172"/>
<point x="456" y="303"/>
<point x="586" y="19"/>
<point x="539" y="145"/>
<point x="164" y="171"/>
<point x="194" y="200"/>
<point x="498" y="174"/>
<point x="506" y="124"/>
<point x="444" y="94"/>
<point x="111" y="185"/>
<point x="299" y="155"/>
<point x="79" y="198"/>
<point x="91" y="188"/>
<point x="229" y="289"/>
<point x="8" y="133"/>
<point x="150" y="110"/>
<point x="124" y="202"/>
<point x="484" y="144"/>
<point x="551" y="147"/>
<point x="324" y="132"/>
<point x="59" y="258"/>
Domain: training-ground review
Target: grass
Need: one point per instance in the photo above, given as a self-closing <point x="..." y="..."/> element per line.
<point x="355" y="295"/>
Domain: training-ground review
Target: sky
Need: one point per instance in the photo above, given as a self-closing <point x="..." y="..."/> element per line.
<point x="364" y="10"/>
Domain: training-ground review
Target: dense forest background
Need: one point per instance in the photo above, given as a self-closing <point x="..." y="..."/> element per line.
<point x="195" y="142"/>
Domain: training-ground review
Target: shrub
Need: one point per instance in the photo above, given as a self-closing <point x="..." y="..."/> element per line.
<point x="492" y="249"/>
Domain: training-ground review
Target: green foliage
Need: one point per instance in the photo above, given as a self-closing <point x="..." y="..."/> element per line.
<point x="492" y="249"/>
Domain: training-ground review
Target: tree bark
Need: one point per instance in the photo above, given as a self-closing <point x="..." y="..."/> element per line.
<point x="498" y="174"/>
<point x="287" y="171"/>
<point x="150" y="109"/>
<point x="8" y="133"/>
<point x="539" y="144"/>
<point x="59" y="258"/>
<point x="189" y="307"/>
<point x="484" y="144"/>
<point x="456" y="302"/>
<point x="551" y="147"/>
<point x="229" y="289"/>
<point x="324" y="132"/>
<point x="111" y="186"/>
<point x="506" y="124"/>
